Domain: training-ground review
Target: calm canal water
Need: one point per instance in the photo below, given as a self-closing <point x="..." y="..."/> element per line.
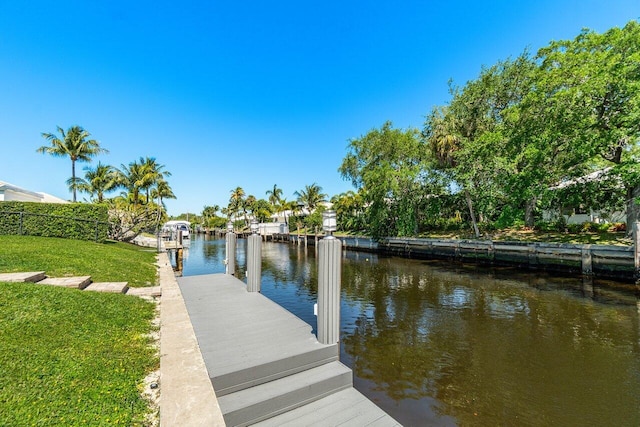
<point x="436" y="343"/>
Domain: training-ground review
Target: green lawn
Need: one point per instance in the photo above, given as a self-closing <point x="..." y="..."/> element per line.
<point x="71" y="357"/>
<point x="104" y="262"/>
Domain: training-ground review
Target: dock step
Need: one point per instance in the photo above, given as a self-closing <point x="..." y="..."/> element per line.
<point x="238" y="376"/>
<point x="345" y="408"/>
<point x="267" y="400"/>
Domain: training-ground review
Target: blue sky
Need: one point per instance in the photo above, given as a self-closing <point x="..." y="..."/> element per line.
<point x="253" y="93"/>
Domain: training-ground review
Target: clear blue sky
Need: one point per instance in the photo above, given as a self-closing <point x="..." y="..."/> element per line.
<point x="252" y="93"/>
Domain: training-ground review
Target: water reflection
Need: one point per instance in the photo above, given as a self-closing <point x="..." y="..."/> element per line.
<point x="442" y="344"/>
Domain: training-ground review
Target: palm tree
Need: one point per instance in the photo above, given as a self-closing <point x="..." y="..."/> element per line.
<point x="275" y="195"/>
<point x="152" y="174"/>
<point x="161" y="191"/>
<point x="236" y="201"/>
<point x="98" y="181"/>
<point x="444" y="141"/>
<point x="287" y="206"/>
<point x="131" y="177"/>
<point x="311" y="196"/>
<point x="74" y="143"/>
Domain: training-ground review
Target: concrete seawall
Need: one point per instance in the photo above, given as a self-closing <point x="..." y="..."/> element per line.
<point x="606" y="261"/>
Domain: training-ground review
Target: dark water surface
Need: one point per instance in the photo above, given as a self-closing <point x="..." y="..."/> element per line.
<point x="437" y="343"/>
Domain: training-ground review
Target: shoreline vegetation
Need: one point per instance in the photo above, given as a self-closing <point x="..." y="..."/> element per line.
<point x="71" y="357"/>
<point x="515" y="234"/>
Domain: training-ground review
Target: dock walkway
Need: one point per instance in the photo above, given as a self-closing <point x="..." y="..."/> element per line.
<point x="266" y="366"/>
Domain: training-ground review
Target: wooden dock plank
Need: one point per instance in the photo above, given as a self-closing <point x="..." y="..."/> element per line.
<point x="264" y="362"/>
<point x="347" y="407"/>
<point x="219" y="306"/>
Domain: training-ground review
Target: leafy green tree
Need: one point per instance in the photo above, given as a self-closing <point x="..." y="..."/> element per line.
<point x="388" y="167"/>
<point x="209" y="213"/>
<point x="586" y="104"/>
<point x="350" y="211"/>
<point x="262" y="210"/>
<point x="471" y="138"/>
<point x="99" y="180"/>
<point x="75" y="144"/>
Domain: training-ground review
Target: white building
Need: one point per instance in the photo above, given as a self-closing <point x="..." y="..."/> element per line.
<point x="10" y="192"/>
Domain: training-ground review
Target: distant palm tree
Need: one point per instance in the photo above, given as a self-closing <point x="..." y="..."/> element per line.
<point x="275" y="196"/>
<point x="152" y="174"/>
<point x="161" y="191"/>
<point x="98" y="181"/>
<point x="130" y="177"/>
<point x="236" y="201"/>
<point x="287" y="206"/>
<point x="311" y="196"/>
<point x="74" y="143"/>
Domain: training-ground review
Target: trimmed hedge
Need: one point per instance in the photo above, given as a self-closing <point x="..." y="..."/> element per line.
<point x="80" y="221"/>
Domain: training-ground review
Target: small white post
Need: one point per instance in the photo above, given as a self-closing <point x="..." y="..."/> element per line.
<point x="254" y="259"/>
<point x="230" y="246"/>
<point x="329" y="277"/>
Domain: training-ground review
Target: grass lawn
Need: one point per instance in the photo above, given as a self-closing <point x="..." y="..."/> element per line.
<point x="104" y="262"/>
<point x="71" y="357"/>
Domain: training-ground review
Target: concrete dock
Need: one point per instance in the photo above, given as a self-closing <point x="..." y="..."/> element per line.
<point x="266" y="366"/>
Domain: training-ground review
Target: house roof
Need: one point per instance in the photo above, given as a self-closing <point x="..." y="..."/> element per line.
<point x="593" y="176"/>
<point x="48" y="198"/>
<point x="6" y="186"/>
<point x="44" y="197"/>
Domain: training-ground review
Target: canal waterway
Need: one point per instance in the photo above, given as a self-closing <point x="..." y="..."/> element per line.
<point x="437" y="343"/>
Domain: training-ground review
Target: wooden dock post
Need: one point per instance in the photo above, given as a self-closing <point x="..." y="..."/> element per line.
<point x="254" y="259"/>
<point x="230" y="246"/>
<point x="329" y="276"/>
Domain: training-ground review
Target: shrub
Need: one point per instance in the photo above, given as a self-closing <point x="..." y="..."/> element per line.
<point x="617" y="226"/>
<point x="79" y="221"/>
<point x="574" y="228"/>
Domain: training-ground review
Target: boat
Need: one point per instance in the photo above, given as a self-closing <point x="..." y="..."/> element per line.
<point x="171" y="228"/>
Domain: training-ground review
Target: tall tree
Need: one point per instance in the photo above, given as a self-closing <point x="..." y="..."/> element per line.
<point x="586" y="104"/>
<point x="152" y="173"/>
<point x="388" y="166"/>
<point x="236" y="201"/>
<point x="161" y="191"/>
<point x="311" y="196"/>
<point x="74" y="143"/>
<point x="275" y="196"/>
<point x="131" y="177"/>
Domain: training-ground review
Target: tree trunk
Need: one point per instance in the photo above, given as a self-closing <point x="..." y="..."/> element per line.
<point x="633" y="208"/>
<point x="73" y="178"/>
<point x="529" y="209"/>
<point x="473" y="215"/>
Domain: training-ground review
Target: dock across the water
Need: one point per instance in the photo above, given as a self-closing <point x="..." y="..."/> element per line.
<point x="266" y="366"/>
